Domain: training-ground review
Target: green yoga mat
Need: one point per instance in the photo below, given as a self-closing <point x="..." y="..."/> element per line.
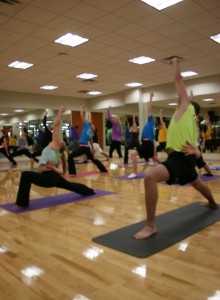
<point x="173" y="227"/>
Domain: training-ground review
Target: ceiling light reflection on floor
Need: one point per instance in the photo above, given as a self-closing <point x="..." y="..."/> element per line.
<point x="140" y="270"/>
<point x="80" y="297"/>
<point x="216" y="296"/>
<point x="93" y="252"/>
<point x="30" y="274"/>
<point x="183" y="246"/>
<point x="3" y="249"/>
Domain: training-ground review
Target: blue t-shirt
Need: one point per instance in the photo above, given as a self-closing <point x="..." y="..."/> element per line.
<point x="86" y="133"/>
<point x="148" y="131"/>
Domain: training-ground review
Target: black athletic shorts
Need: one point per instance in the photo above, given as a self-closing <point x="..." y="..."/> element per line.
<point x="181" y="168"/>
<point x="146" y="149"/>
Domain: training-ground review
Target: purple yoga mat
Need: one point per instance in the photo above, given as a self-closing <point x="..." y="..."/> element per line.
<point x="82" y="174"/>
<point x="54" y="200"/>
<point x="141" y="175"/>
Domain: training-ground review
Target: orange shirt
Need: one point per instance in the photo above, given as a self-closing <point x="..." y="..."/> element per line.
<point x="162" y="135"/>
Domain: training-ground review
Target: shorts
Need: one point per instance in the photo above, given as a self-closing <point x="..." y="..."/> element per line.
<point x="200" y="162"/>
<point x="181" y="168"/>
<point x="146" y="149"/>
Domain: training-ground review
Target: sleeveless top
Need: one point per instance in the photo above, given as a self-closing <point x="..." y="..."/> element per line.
<point x="182" y="131"/>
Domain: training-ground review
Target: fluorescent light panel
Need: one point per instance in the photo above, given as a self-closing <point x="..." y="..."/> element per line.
<point x="71" y="40"/>
<point x="216" y="38"/>
<point x="208" y="100"/>
<point x="20" y="65"/>
<point x="18" y="110"/>
<point x="161" y="4"/>
<point x="94" y="93"/>
<point x="86" y="76"/>
<point x="172" y="104"/>
<point x="133" y="84"/>
<point x="48" y="87"/>
<point x="141" y="60"/>
<point x="188" y="73"/>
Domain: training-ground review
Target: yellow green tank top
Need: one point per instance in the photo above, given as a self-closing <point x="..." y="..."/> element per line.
<point x="182" y="131"/>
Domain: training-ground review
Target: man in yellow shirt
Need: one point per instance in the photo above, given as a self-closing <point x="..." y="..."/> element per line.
<point x="182" y="154"/>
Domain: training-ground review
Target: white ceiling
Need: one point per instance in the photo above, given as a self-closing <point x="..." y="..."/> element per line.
<point x="118" y="31"/>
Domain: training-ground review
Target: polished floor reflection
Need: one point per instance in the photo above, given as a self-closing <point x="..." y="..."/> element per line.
<point x="49" y="254"/>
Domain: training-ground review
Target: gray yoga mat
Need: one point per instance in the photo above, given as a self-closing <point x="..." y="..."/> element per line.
<point x="173" y="227"/>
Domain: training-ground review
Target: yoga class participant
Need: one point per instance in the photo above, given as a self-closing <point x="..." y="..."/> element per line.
<point x="84" y="146"/>
<point x="51" y="170"/>
<point x="182" y="153"/>
<point x="147" y="149"/>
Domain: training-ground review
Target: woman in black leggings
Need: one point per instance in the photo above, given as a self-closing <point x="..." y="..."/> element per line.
<point x="50" y="172"/>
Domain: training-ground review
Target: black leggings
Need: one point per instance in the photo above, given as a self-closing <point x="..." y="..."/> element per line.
<point x="47" y="179"/>
<point x="115" y="145"/>
<point x="80" y="151"/>
<point x="26" y="152"/>
<point x="9" y="157"/>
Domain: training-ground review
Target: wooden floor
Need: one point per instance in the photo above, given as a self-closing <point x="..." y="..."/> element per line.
<point x="48" y="254"/>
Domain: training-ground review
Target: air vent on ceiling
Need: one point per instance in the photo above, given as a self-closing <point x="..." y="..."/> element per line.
<point x="168" y="59"/>
<point x="11" y="2"/>
<point x="90" y="80"/>
<point x="83" y="92"/>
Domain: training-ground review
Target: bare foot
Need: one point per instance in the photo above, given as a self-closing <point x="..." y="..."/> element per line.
<point x="145" y="233"/>
<point x="17" y="207"/>
<point x="212" y="205"/>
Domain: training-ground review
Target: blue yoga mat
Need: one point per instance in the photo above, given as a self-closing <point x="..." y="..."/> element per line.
<point x="54" y="201"/>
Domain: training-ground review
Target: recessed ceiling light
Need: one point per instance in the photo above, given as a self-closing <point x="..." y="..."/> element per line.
<point x="173" y="104"/>
<point x="133" y="84"/>
<point x="86" y="76"/>
<point x="72" y="40"/>
<point x="4" y="114"/>
<point x="188" y="73"/>
<point x="20" y="65"/>
<point x="208" y="100"/>
<point x="216" y="38"/>
<point x="141" y="60"/>
<point x="161" y="4"/>
<point x="94" y="93"/>
<point x="48" y="87"/>
<point x="18" y="110"/>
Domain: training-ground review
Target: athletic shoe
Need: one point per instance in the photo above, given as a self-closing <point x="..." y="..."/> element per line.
<point x="132" y="175"/>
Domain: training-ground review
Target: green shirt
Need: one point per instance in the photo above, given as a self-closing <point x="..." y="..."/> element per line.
<point x="182" y="131"/>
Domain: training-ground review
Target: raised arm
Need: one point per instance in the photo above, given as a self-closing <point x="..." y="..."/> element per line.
<point x="184" y="98"/>
<point x="134" y="124"/>
<point x="207" y="118"/>
<point x="57" y="122"/>
<point x="82" y="112"/>
<point x="150" y="108"/>
<point x="161" y="118"/>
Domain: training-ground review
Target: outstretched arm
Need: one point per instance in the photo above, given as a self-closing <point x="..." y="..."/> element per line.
<point x="180" y="87"/>
<point x="134" y="124"/>
<point x="207" y="118"/>
<point x="82" y="112"/>
<point x="150" y="108"/>
<point x="161" y="118"/>
<point x="57" y="123"/>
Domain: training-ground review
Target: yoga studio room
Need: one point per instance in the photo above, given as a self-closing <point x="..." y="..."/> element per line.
<point x="109" y="150"/>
